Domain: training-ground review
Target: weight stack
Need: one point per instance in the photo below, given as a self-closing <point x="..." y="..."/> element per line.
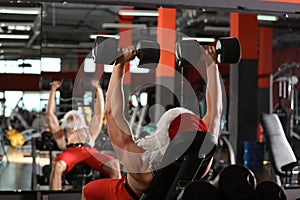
<point x="254" y="156"/>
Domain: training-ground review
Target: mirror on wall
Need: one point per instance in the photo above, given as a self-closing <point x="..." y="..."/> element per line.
<point x="20" y="52"/>
<point x="56" y="39"/>
<point x="20" y="67"/>
<point x="69" y="29"/>
<point x="20" y="31"/>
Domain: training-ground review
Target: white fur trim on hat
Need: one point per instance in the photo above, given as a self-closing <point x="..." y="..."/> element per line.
<point x="80" y="125"/>
<point x="155" y="145"/>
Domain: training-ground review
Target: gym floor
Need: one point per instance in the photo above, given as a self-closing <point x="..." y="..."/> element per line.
<point x="16" y="174"/>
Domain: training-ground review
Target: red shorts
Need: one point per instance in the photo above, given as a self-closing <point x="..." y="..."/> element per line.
<point x="90" y="156"/>
<point x="106" y="189"/>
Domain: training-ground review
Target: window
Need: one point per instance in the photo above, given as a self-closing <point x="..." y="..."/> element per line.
<point x="31" y="101"/>
<point x="50" y="64"/>
<point x="11" y="66"/>
<point x="35" y="66"/>
<point x="30" y="66"/>
<point x="13" y="99"/>
<point x="89" y="65"/>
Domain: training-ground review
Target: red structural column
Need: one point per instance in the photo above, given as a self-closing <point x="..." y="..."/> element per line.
<point x="125" y="40"/>
<point x="265" y="64"/>
<point x="245" y="27"/>
<point x="165" y="71"/>
<point x="166" y="37"/>
<point x="243" y="93"/>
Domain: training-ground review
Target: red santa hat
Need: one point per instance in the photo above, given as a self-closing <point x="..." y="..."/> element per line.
<point x="186" y="122"/>
<point x="171" y="123"/>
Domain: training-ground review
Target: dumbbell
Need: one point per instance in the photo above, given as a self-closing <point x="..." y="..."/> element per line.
<point x="189" y="52"/>
<point x="201" y="189"/>
<point x="236" y="182"/>
<point x="106" y="52"/>
<point x="148" y="53"/>
<point x="269" y="190"/>
<point x="86" y="83"/>
<point x="46" y="82"/>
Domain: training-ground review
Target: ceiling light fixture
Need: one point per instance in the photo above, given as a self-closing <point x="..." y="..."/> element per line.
<point x="93" y="36"/>
<point x="20" y="11"/>
<point x="12" y="44"/>
<point x="67" y="46"/>
<point x="117" y="25"/>
<point x="19" y="28"/>
<point x="199" y="39"/>
<point x="139" y="13"/>
<point x="11" y="36"/>
<point x="267" y="18"/>
<point x="216" y="29"/>
<point x="2" y="51"/>
<point x="3" y="24"/>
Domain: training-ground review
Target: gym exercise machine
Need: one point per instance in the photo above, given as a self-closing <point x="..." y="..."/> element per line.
<point x="4" y="154"/>
<point x="75" y="179"/>
<point x="286" y="79"/>
<point x="282" y="157"/>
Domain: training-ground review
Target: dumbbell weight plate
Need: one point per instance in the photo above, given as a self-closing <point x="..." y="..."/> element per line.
<point x="236" y="182"/>
<point x="45" y="83"/>
<point x="66" y="85"/>
<point x="148" y="53"/>
<point x="200" y="189"/>
<point x="105" y="50"/>
<point x="229" y="50"/>
<point x="269" y="190"/>
<point x="187" y="53"/>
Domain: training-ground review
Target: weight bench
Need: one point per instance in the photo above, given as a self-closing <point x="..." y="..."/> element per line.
<point x="281" y="154"/>
<point x="185" y="160"/>
<point x="77" y="177"/>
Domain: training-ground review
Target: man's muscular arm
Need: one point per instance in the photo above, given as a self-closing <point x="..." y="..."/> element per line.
<point x="97" y="121"/>
<point x="213" y="92"/>
<point x="51" y="112"/>
<point x="118" y="127"/>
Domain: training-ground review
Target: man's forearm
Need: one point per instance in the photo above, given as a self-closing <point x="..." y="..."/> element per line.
<point x="99" y="103"/>
<point x="214" y="98"/>
<point x="51" y="106"/>
<point x="115" y="91"/>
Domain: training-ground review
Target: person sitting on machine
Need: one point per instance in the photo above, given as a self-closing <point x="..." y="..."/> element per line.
<point x="139" y="157"/>
<point x="76" y="139"/>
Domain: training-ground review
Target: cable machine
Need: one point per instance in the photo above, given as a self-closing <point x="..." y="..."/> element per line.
<point x="286" y="79"/>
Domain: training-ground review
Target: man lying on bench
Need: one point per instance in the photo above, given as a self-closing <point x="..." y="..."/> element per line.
<point x="142" y="156"/>
<point x="76" y="139"/>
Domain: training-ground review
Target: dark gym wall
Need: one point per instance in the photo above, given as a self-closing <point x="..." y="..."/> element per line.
<point x="29" y="82"/>
<point x="265" y="68"/>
